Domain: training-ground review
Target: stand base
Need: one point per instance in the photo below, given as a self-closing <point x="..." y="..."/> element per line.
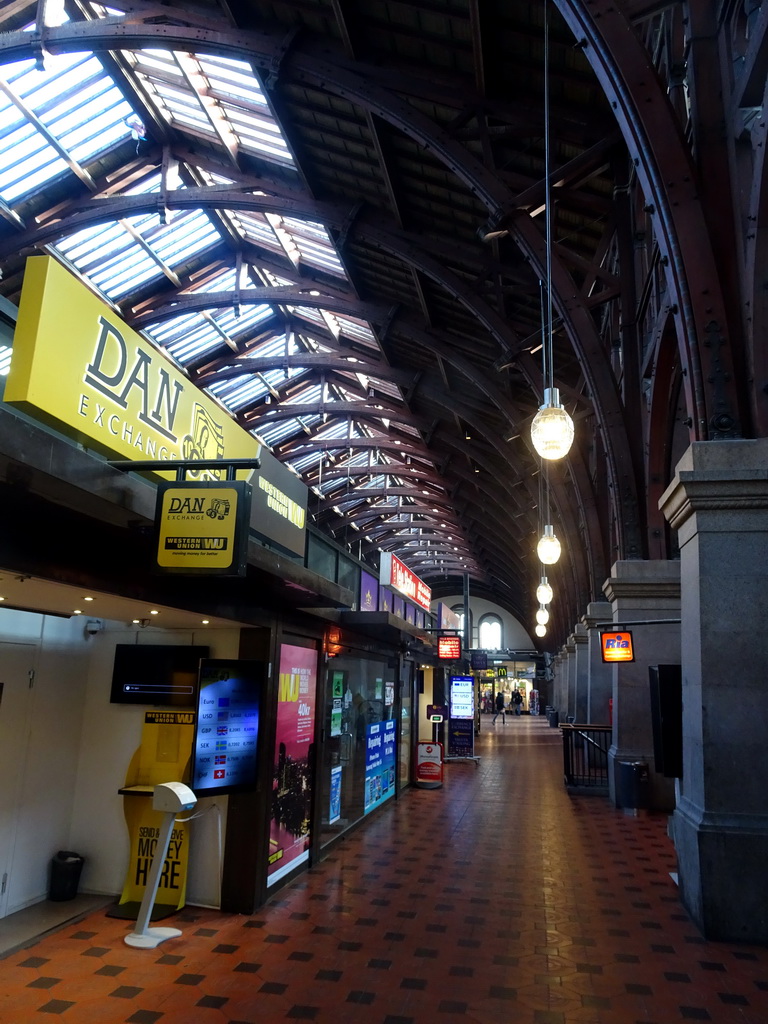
<point x="151" y="938"/>
<point x="130" y="911"/>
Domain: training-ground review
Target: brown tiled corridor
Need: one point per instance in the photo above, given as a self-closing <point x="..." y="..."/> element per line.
<point x="497" y="898"/>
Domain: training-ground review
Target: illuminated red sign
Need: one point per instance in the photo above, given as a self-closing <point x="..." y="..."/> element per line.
<point x="617" y="647"/>
<point x="393" y="573"/>
<point x="449" y="647"/>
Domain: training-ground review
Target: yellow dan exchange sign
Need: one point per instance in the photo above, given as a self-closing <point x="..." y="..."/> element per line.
<point x="78" y="367"/>
<point x="203" y="527"/>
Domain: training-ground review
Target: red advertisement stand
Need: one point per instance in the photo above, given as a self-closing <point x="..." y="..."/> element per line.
<point x="429" y="764"/>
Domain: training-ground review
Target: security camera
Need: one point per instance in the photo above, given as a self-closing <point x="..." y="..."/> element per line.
<point x="93" y="626"/>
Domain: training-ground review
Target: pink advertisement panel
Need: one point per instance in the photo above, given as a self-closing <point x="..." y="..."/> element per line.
<point x="292" y="768"/>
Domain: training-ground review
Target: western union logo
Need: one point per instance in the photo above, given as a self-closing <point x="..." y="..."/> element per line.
<point x="282" y="504"/>
<point x="195" y="544"/>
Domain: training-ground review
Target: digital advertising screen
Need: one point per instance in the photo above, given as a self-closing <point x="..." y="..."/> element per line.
<point x="225" y="750"/>
<point x="462" y="697"/>
<point x="449" y="648"/>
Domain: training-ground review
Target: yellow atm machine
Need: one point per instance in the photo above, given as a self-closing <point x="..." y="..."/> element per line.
<point x="164" y="756"/>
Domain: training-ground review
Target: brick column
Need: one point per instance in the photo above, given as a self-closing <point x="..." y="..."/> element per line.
<point x="639" y="591"/>
<point x="718" y="503"/>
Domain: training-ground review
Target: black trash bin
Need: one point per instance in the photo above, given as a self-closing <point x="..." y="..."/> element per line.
<point x="633" y="785"/>
<point x="65" y="875"/>
<point x="554" y="717"/>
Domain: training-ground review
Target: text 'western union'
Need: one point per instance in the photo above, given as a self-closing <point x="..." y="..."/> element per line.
<point x="282" y="504"/>
<point x="195" y="543"/>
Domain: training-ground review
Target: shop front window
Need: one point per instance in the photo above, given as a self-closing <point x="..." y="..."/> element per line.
<point x="358" y="771"/>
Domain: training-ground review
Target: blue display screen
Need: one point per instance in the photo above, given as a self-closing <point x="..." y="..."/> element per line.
<point x="227" y="727"/>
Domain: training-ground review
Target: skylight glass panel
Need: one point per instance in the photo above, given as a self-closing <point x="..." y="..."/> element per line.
<point x="307" y="396"/>
<point x="5" y="359"/>
<point x="277" y="345"/>
<point x="309" y="313"/>
<point x="308" y="461"/>
<point x="187" y="337"/>
<point x="285" y="429"/>
<point x="213" y="97"/>
<point x="77" y="104"/>
<point x="239" y="391"/>
<point x="356" y="329"/>
<point x="117" y="263"/>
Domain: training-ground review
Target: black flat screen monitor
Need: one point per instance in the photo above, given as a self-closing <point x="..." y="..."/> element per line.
<point x="161" y="674"/>
<point x="225" y="751"/>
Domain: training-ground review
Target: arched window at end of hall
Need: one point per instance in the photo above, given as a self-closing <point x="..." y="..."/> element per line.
<point x="458" y="609"/>
<point x="490" y="633"/>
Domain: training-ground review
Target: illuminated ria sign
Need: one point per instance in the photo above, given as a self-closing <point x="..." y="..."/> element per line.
<point x="617" y="646"/>
<point x="394" y="574"/>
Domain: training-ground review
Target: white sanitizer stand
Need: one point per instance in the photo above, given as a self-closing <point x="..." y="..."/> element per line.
<point x="171" y="798"/>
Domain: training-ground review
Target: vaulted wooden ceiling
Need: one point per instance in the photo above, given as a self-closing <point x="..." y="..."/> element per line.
<point x="375" y="281"/>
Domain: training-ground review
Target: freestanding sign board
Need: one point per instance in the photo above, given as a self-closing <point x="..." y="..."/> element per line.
<point x="461" y="724"/>
<point x="429" y="765"/>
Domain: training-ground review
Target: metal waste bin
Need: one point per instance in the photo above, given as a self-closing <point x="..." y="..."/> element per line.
<point x="554" y="717"/>
<point x="65" y="875"/>
<point x="633" y="785"/>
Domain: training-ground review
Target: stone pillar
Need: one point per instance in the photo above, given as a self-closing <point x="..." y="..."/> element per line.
<point x="560" y="700"/>
<point x="579" y="640"/>
<point x="639" y="591"/>
<point x="718" y="503"/>
<point x="569" y="710"/>
<point x="600" y="681"/>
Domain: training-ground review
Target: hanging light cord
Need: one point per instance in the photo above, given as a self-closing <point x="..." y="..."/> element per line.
<point x="543" y="463"/>
<point x="549" y="372"/>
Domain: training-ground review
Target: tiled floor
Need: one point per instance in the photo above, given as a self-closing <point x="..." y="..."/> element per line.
<point x="496" y="899"/>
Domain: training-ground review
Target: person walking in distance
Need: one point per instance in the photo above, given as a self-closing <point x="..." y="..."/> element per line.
<point x="517" y="700"/>
<point x="500" y="708"/>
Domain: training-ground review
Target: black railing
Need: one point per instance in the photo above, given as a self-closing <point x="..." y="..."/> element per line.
<point x="585" y="755"/>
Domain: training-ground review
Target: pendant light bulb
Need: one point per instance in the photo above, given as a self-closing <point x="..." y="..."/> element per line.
<point x="548" y="547"/>
<point x="542" y="616"/>
<point x="541" y="630"/>
<point x="544" y="591"/>
<point x="552" y="427"/>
